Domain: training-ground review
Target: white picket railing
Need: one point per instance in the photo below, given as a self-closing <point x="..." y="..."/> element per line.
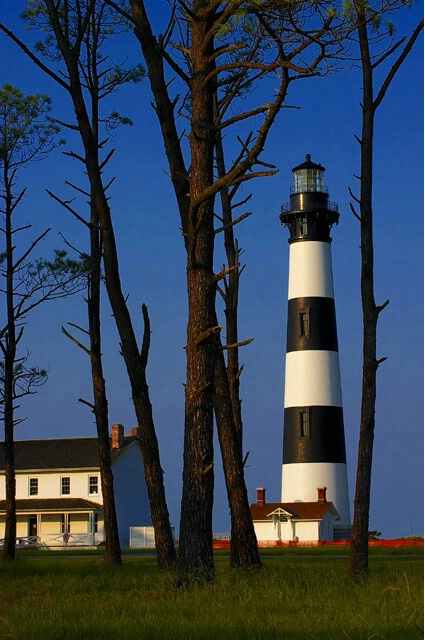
<point x="53" y="540"/>
<point x="23" y="542"/>
<point x="66" y="540"/>
<point x="221" y="536"/>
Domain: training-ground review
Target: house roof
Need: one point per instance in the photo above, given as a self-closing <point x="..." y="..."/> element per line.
<point x="60" y="453"/>
<point x="53" y="504"/>
<point x="296" y="510"/>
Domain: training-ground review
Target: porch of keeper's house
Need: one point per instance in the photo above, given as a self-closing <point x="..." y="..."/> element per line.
<point x="60" y="523"/>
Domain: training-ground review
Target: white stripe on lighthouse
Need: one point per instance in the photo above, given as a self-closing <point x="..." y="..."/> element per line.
<point x="312" y="378"/>
<point x="310" y="270"/>
<point x="300" y="482"/>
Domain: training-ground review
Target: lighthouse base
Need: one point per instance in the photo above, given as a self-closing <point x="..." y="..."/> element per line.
<point x="300" y="482"/>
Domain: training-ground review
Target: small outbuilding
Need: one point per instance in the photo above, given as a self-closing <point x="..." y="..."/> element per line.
<point x="311" y="522"/>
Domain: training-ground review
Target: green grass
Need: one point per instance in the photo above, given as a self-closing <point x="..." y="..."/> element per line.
<point x="54" y="598"/>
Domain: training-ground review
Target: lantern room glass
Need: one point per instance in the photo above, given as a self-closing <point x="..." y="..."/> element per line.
<point x="311" y="179"/>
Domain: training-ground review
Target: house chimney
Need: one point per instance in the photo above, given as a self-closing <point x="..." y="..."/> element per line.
<point x="261" y="496"/>
<point x="134" y="432"/>
<point x="117" y="436"/>
<point x="321" y="495"/>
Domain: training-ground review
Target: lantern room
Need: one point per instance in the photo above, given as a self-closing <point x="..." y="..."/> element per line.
<point x="309" y="176"/>
<point x="309" y="215"/>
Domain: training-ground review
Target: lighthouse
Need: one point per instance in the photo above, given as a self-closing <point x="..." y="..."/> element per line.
<point x="314" y="442"/>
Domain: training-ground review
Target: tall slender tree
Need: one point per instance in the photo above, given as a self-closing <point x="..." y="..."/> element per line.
<point x="206" y="46"/>
<point x="67" y="23"/>
<point x="99" y="406"/>
<point x="26" y="135"/>
<point x="367" y="23"/>
<point x="101" y="78"/>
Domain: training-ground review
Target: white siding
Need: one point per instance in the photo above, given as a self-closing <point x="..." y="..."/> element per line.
<point x="265" y="531"/>
<point x="50" y="485"/>
<point x="302" y="531"/>
<point x="307" y="531"/>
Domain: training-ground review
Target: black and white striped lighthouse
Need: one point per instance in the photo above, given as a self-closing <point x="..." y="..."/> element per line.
<point x="314" y="442"/>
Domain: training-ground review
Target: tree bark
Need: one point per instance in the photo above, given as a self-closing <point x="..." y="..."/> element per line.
<point x="9" y="353"/>
<point x="195" y="550"/>
<point x="359" y="540"/>
<point x="100" y="409"/>
<point x="359" y="554"/>
<point x="243" y="549"/>
<point x="227" y="403"/>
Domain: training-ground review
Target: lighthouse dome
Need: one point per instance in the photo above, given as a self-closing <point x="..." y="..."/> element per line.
<point x="309" y="177"/>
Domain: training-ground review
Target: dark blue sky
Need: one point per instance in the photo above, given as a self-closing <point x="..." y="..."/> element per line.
<point x="153" y="271"/>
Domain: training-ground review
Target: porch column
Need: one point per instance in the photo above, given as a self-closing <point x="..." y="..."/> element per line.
<point x="91" y="526"/>
<point x="38" y="527"/>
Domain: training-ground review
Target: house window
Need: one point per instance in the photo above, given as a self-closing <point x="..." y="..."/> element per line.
<point x="304" y="423"/>
<point x="283" y="519"/>
<point x="33" y="487"/>
<point x="95" y="523"/>
<point x="65" y="485"/>
<point x="304" y="322"/>
<point x="93" y="485"/>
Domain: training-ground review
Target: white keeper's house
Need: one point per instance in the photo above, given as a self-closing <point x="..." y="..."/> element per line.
<point x="285" y="522"/>
<point x="58" y="490"/>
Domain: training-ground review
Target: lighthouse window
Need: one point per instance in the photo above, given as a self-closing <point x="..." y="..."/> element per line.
<point x="304" y="226"/>
<point x="304" y="418"/>
<point x="298" y="183"/>
<point x="319" y="181"/>
<point x="304" y="319"/>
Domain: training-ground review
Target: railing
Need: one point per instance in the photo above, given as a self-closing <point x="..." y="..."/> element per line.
<point x="23" y="542"/>
<point x="67" y="540"/>
<point x="221" y="536"/>
<point x="328" y="206"/>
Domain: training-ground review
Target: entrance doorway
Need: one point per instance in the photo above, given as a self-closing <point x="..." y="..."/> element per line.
<point x="32" y="526"/>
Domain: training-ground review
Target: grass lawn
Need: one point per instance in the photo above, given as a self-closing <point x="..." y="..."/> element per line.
<point x="310" y="596"/>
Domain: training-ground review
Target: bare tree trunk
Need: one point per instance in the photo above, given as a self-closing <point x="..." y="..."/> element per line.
<point x="100" y="408"/>
<point x="136" y="367"/>
<point x="227" y="402"/>
<point x="243" y="550"/>
<point x="359" y="554"/>
<point x="9" y="353"/>
<point x="9" y="462"/>
<point x="231" y="291"/>
<point x="135" y="361"/>
<point x="195" y="551"/>
<point x="232" y="453"/>
<point x="359" y="543"/>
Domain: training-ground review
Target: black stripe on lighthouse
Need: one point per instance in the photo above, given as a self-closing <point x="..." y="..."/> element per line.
<point x="313" y="434"/>
<point x="311" y="324"/>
